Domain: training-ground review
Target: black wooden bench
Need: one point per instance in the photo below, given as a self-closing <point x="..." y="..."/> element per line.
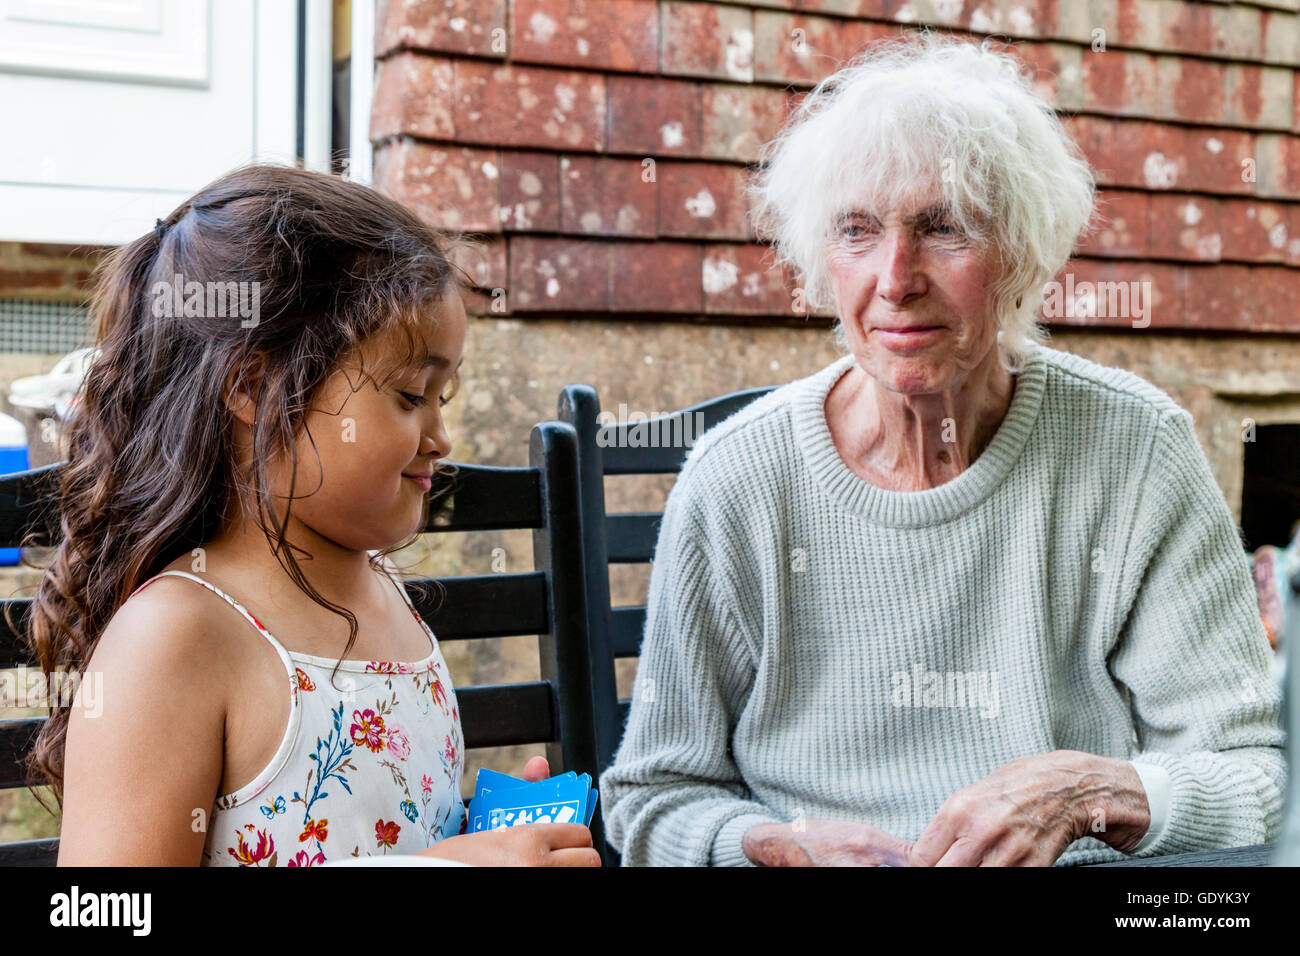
<point x="548" y="602"/>
<point x="629" y="538"/>
<point x="615" y="632"/>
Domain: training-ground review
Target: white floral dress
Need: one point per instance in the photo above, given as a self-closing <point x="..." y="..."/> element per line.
<point x="370" y="764"/>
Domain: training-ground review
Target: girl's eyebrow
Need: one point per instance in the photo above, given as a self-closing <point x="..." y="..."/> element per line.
<point x="438" y="361"/>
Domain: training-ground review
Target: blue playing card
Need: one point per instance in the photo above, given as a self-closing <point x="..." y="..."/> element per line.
<point x="485" y="782"/>
<point x="562" y="799"/>
<point x="542" y="806"/>
<point x="489" y="780"/>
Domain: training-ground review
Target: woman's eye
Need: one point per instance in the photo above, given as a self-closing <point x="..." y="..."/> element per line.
<point x="416" y="400"/>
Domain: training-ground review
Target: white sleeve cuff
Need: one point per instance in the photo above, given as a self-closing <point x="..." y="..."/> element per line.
<point x="1155" y="781"/>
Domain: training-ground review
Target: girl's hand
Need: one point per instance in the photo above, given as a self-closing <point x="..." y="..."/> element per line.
<point x="532" y="844"/>
<point x="536" y="769"/>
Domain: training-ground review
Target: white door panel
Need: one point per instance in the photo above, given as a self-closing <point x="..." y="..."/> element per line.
<point x="114" y="111"/>
<point x="110" y="39"/>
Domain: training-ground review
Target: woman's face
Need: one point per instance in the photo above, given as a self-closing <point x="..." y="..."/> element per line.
<point x="913" y="295"/>
<point x="369" y="440"/>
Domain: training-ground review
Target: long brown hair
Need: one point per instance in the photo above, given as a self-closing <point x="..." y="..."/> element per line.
<point x="150" y="463"/>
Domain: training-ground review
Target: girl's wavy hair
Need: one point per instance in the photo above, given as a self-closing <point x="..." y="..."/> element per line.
<point x="929" y="110"/>
<point x="150" y="468"/>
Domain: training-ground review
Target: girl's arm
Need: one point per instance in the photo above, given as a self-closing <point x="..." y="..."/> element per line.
<point x="143" y="765"/>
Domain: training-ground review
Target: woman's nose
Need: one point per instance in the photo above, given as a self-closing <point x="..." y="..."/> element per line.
<point x="897" y="278"/>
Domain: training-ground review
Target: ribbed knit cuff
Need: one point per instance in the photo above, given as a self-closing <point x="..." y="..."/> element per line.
<point x="728" y="844"/>
<point x="1213" y="803"/>
<point x="1156" y="783"/>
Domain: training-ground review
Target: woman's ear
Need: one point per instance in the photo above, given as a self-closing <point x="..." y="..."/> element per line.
<point x="243" y="388"/>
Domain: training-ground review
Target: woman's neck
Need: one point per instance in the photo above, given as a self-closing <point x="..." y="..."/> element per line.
<point x="916" y="442"/>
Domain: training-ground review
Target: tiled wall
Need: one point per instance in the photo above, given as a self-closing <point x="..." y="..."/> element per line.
<point x="571" y="133"/>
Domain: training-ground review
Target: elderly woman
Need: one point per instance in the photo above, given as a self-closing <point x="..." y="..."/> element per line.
<point x="957" y="599"/>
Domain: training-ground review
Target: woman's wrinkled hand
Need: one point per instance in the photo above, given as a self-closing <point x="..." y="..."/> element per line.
<point x="823" y="843"/>
<point x="1028" y="811"/>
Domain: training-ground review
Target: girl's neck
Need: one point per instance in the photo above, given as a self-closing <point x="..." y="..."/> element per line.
<point x="252" y="576"/>
<point x="244" y="558"/>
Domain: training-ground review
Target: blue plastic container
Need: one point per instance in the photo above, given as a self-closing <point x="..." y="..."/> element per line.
<point x="13" y="458"/>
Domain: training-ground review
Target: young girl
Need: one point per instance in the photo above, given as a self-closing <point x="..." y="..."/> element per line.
<point x="257" y="433"/>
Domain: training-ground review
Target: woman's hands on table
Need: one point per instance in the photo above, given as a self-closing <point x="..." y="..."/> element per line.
<point x="823" y="843"/>
<point x="1025" y="813"/>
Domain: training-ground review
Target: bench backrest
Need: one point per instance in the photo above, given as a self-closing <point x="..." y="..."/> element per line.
<point x="548" y="602"/>
<point x="624" y="538"/>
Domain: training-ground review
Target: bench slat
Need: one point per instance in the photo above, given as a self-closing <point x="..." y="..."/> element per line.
<point x="476" y="498"/>
<point x="16" y="739"/>
<point x="486" y="605"/>
<point x="671" y="432"/>
<point x="474" y="606"/>
<point x="44" y="852"/>
<point x="632" y="536"/>
<point x="499" y="715"/>
<point x="484" y="498"/>
<point x="665" y="460"/>
<point x="627" y="627"/>
<point x="28" y="501"/>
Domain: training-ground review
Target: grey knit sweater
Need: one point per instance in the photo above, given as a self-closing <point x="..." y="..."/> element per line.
<point x="819" y="647"/>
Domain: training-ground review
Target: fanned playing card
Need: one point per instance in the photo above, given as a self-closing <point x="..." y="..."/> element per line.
<point x="504" y="801"/>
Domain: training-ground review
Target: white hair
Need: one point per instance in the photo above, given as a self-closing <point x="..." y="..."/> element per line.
<point x="928" y="112"/>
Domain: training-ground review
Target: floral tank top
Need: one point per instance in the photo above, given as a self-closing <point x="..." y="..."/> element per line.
<point x="368" y="765"/>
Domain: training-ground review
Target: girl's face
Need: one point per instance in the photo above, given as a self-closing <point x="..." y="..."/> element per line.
<point x="369" y="442"/>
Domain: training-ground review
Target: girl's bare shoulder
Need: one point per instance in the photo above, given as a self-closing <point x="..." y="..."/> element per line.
<point x="154" y="749"/>
<point x="173" y="627"/>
